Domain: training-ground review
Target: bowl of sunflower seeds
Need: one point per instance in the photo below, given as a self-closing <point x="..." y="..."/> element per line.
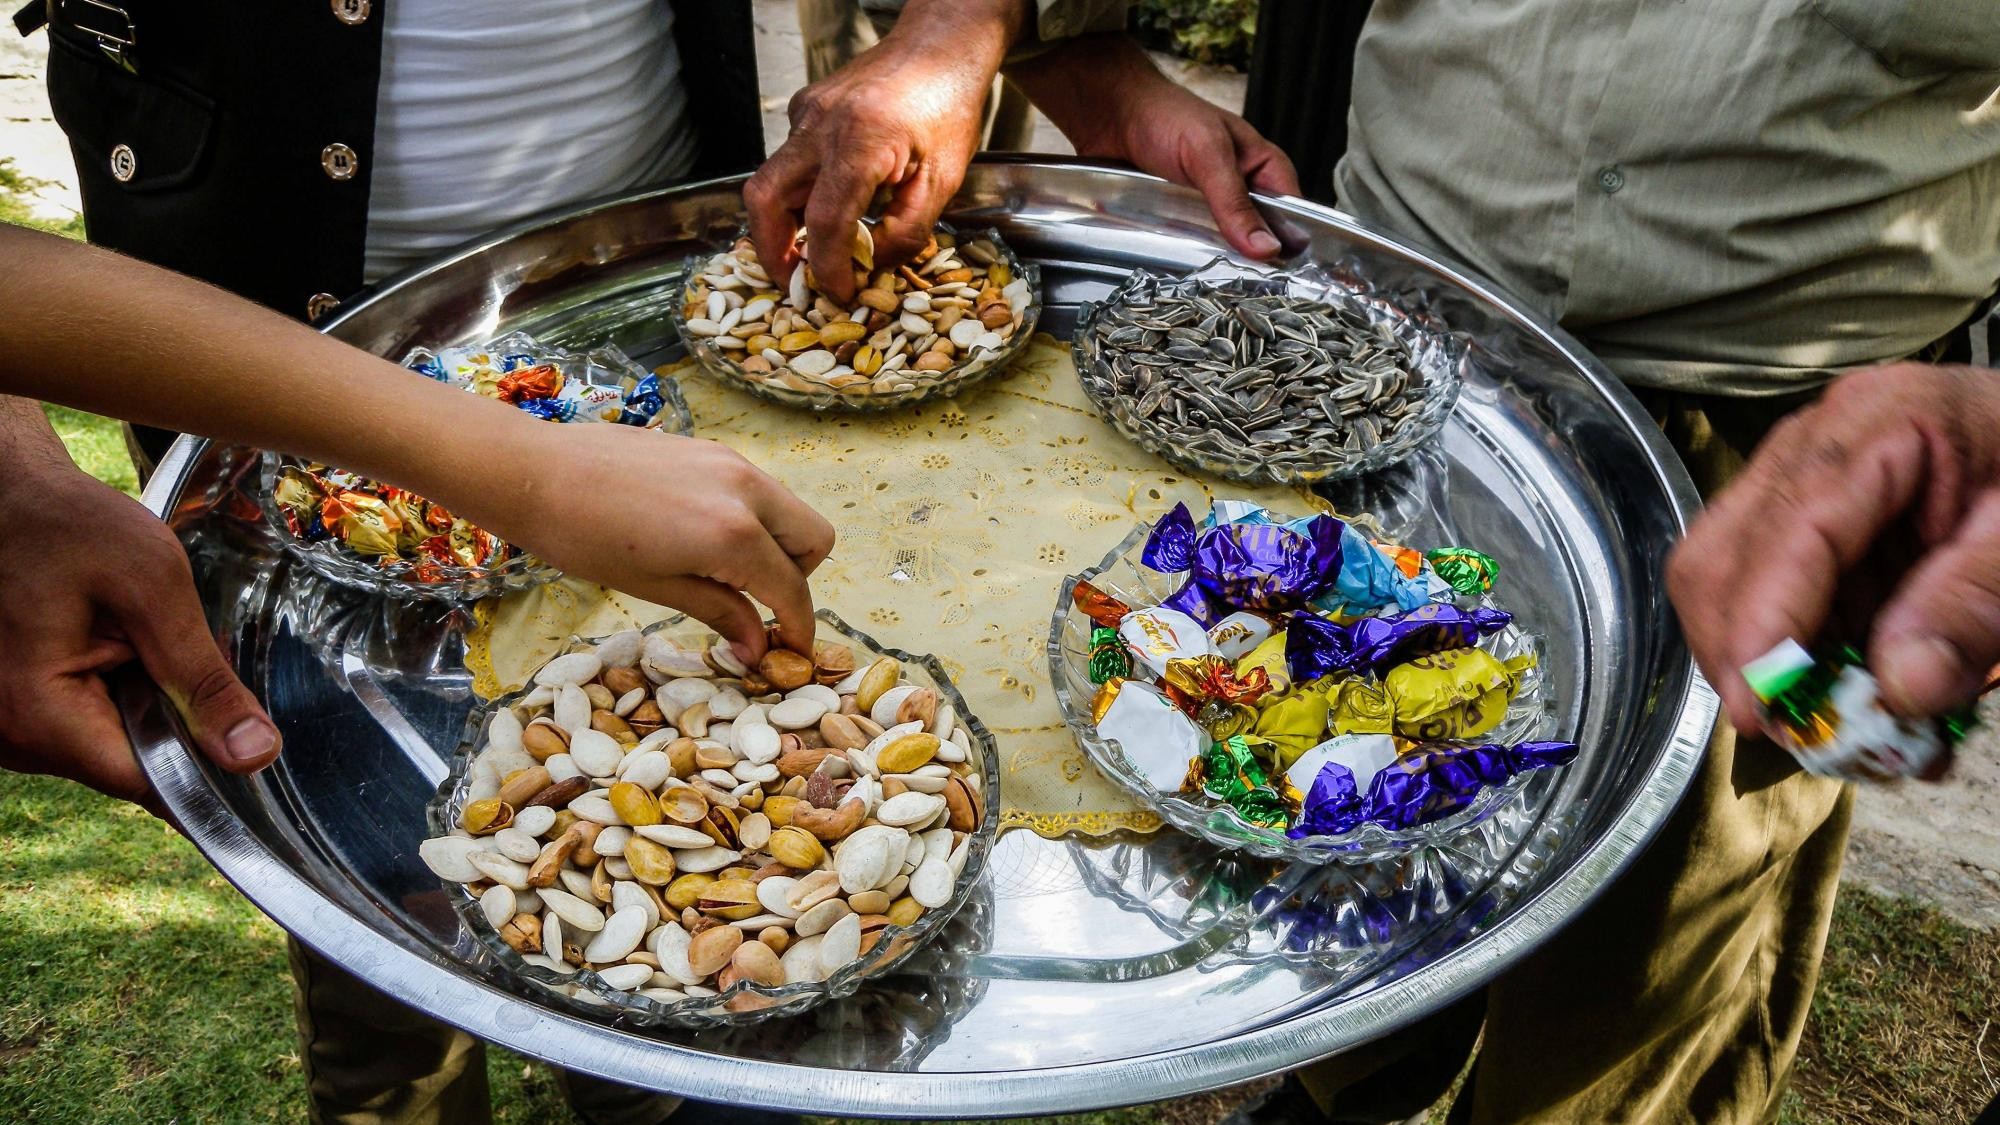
<point x="1270" y="378"/>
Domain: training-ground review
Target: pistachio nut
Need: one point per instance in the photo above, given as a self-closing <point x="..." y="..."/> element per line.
<point x="880" y="677"/>
<point x="796" y="847"/>
<point x="634" y="805"/>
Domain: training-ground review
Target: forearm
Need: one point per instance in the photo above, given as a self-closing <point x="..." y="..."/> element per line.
<point x="978" y="33"/>
<point x="100" y="332"/>
<point x="1082" y="85"/>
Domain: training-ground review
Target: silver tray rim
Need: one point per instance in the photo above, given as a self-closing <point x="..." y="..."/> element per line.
<point x="162" y="744"/>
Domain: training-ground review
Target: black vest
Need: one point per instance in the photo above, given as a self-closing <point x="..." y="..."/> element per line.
<point x="232" y="139"/>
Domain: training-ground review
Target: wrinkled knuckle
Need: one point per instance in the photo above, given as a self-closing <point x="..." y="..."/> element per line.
<point x="215" y="687"/>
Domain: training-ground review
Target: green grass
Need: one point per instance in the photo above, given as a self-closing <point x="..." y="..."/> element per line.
<point x="1902" y="1026"/>
<point x="97" y="445"/>
<point x="15" y="187"/>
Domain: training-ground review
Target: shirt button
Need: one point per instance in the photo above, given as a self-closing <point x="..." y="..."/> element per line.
<point x="320" y="304"/>
<point x="124" y="164"/>
<point x="1610" y="179"/>
<point x="351" y="12"/>
<point x="339" y="161"/>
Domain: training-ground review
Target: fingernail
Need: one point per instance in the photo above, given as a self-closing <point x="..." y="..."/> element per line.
<point x="745" y="653"/>
<point x="1264" y="243"/>
<point x="1922" y="675"/>
<point x="250" y="740"/>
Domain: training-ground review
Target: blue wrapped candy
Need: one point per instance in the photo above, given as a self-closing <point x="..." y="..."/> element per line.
<point x="552" y="409"/>
<point x="643" y="402"/>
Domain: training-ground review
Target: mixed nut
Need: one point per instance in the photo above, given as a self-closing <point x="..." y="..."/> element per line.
<point x="917" y="323"/>
<point x="682" y="824"/>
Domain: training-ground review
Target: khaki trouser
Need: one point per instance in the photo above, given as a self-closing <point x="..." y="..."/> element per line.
<point x="1681" y="994"/>
<point x="837" y="30"/>
<point x="371" y="1060"/>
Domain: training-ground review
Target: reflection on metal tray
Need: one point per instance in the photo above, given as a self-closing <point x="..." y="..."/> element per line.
<point x="1086" y="973"/>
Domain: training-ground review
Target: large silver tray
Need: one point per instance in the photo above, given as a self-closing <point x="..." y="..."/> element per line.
<point x="1085" y="973"/>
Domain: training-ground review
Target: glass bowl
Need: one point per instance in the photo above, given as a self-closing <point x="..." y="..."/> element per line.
<point x="1123" y="576"/>
<point x="585" y="991"/>
<point x="395" y="579"/>
<point x="1437" y="359"/>
<point x="924" y="385"/>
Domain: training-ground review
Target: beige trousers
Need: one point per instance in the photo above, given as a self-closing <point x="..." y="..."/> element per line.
<point x="1679" y="996"/>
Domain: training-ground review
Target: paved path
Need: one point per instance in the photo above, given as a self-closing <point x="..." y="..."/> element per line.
<point x="1940" y="843"/>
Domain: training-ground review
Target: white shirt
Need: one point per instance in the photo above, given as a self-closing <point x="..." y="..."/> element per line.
<point x="491" y="110"/>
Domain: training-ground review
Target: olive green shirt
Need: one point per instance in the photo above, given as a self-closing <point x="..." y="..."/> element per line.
<point x="1729" y="196"/>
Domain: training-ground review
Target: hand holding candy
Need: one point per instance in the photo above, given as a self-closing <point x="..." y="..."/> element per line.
<point x="1907" y="441"/>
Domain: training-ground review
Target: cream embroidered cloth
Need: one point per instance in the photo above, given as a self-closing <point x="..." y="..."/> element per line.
<point x="958" y="521"/>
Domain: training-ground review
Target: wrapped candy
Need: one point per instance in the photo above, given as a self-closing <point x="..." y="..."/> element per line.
<point x="1434" y="782"/>
<point x="1334" y="775"/>
<point x="1159" y="741"/>
<point x="1108" y="658"/>
<point x="644" y="403"/>
<point x="1231" y="772"/>
<point x="539" y="381"/>
<point x="363" y="522"/>
<point x="1371" y="575"/>
<point x="1362" y="755"/>
<point x="1270" y="657"/>
<point x="1234" y="566"/>
<point x="1464" y="569"/>
<point x="1828" y="713"/>
<point x="1315" y="648"/>
<point x="1158" y="635"/>
<point x="1462" y="693"/>
<point x="1294" y="722"/>
<point x="1237" y="634"/>
<point x="1208" y="689"/>
<point x="1100" y="607"/>
<point x="1107" y="694"/>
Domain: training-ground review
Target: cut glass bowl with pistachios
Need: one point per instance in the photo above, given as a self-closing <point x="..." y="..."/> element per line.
<point x="958" y="313"/>
<point x="719" y="817"/>
<point x="1288" y="376"/>
<point x="366" y="536"/>
<point x="1123" y="576"/>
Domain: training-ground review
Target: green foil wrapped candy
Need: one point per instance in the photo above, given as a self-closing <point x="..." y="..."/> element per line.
<point x="1108" y="658"/>
<point x="1235" y="774"/>
<point x="1464" y="569"/>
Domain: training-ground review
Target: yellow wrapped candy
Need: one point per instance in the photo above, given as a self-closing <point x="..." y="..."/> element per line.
<point x="368" y="525"/>
<point x="1295" y="722"/>
<point x="1461" y="693"/>
<point x="1107" y="694"/>
<point x="1270" y="656"/>
<point x="1359" y="707"/>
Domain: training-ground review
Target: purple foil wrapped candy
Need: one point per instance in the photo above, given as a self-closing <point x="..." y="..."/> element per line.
<point x="1170" y="548"/>
<point x="1435" y="782"/>
<point x="1332" y="807"/>
<point x="1244" y="565"/>
<point x="1315" y="647"/>
<point x="1376" y="644"/>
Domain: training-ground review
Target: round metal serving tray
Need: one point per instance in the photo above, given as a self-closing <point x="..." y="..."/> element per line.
<point x="1087" y="972"/>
